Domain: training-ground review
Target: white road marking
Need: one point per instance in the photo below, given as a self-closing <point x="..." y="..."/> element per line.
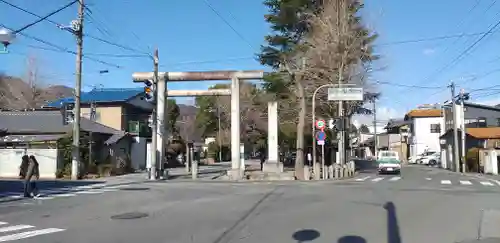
<point x="117" y="187"/>
<point x="465" y="182"/>
<point x="89" y="192"/>
<point x="378" y="179"/>
<point x="446" y="182"/>
<point x="362" y="179"/>
<point x="44" y="198"/>
<point x="395" y="178"/>
<point x="428" y="178"/>
<point x="486" y="183"/>
<point x="498" y="182"/>
<point x="29" y="234"/>
<point x="64" y="195"/>
<point x="15" y="228"/>
<point x="2" y="223"/>
<point x="84" y="187"/>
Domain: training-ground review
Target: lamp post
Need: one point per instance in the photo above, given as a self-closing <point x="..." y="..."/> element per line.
<point x="6" y="38"/>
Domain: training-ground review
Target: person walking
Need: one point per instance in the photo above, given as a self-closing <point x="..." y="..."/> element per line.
<point x="32" y="175"/>
<point x="23" y="168"/>
<point x="262" y="155"/>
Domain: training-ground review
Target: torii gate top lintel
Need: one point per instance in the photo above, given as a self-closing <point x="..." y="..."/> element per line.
<point x="199" y="76"/>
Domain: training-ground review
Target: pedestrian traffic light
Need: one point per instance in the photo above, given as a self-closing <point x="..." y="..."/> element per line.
<point x="149" y="91"/>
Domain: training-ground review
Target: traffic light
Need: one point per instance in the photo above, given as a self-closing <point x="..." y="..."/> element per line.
<point x="67" y="112"/>
<point x="149" y="91"/>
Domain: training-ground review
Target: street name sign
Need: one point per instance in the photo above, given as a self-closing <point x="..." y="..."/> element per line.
<point x="345" y="94"/>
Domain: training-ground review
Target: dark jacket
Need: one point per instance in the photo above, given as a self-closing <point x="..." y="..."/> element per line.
<point x="24" y="166"/>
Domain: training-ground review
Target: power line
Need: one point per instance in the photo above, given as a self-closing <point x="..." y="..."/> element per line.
<point x="62" y="27"/>
<point x="40" y="17"/>
<point x="409" y="86"/>
<point x="62" y="49"/>
<point x="227" y="23"/>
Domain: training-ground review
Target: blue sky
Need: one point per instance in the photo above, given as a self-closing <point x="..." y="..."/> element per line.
<point x="191" y="37"/>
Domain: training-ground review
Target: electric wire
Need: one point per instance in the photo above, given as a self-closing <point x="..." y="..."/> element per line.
<point x="71" y="31"/>
<point x="63" y="49"/>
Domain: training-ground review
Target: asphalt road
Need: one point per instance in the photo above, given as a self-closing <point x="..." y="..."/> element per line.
<point x="411" y="209"/>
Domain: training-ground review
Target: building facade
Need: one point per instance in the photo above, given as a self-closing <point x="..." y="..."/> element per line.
<point x="425" y="130"/>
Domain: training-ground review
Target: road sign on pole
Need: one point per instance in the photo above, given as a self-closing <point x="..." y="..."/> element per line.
<point x="320" y="137"/>
<point x="320" y="124"/>
<point x="348" y="94"/>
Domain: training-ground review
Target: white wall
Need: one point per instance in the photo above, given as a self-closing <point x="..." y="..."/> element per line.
<point x="10" y="160"/>
<point x="423" y="138"/>
<point x="138" y="153"/>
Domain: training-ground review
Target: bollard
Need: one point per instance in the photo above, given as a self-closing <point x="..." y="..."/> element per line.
<point x="307" y="173"/>
<point x="330" y="172"/>
<point x="337" y="171"/>
<point x="346" y="171"/>
<point x="317" y="171"/>
<point x="341" y="168"/>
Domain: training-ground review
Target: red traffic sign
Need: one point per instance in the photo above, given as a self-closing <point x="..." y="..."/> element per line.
<point x="320" y="124"/>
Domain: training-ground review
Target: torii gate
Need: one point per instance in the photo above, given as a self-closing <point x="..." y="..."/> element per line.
<point x="236" y="172"/>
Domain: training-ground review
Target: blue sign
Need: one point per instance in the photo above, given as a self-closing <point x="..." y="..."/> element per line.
<point x="321" y="136"/>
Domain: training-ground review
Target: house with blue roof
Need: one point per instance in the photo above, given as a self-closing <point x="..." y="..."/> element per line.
<point x="119" y="108"/>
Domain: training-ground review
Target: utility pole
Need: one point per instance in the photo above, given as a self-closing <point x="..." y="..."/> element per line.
<point x="92" y="118"/>
<point x="455" y="129"/>
<point x="375" y="139"/>
<point x="218" y="133"/>
<point x="161" y="113"/>
<point x="462" y="125"/>
<point x="78" y="31"/>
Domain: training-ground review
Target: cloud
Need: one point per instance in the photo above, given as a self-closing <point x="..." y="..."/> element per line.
<point x="383" y="116"/>
<point x="429" y="51"/>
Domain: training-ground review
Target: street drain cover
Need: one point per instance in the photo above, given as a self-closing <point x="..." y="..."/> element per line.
<point x="135" y="189"/>
<point x="130" y="215"/>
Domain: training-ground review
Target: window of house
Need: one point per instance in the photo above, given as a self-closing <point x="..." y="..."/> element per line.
<point x="435" y="128"/>
<point x="498" y="122"/>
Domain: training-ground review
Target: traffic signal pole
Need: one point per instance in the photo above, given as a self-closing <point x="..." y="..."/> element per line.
<point x="154" y="124"/>
<point x="161" y="107"/>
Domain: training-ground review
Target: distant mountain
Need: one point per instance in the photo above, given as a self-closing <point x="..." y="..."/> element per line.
<point x="17" y="94"/>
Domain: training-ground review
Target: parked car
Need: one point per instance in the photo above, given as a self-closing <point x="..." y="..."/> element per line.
<point x="417" y="159"/>
<point x="431" y="159"/>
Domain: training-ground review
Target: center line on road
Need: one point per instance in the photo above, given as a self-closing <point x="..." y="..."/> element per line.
<point x="446" y="182"/>
<point x="362" y="179"/>
<point x="395" y="178"/>
<point x="486" y="183"/>
<point x="377" y="179"/>
<point x="465" y="182"/>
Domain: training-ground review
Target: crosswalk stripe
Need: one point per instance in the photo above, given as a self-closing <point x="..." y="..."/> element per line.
<point x="498" y="182"/>
<point x="64" y="195"/>
<point x="29" y="234"/>
<point x="15" y="228"/>
<point x="395" y="178"/>
<point x="446" y="182"/>
<point x="2" y="223"/>
<point x="486" y="183"/>
<point x="465" y="182"/>
<point x="377" y="179"/>
<point x="362" y="179"/>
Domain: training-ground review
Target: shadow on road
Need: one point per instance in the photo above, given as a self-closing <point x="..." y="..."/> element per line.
<point x="393" y="234"/>
<point x="9" y="187"/>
